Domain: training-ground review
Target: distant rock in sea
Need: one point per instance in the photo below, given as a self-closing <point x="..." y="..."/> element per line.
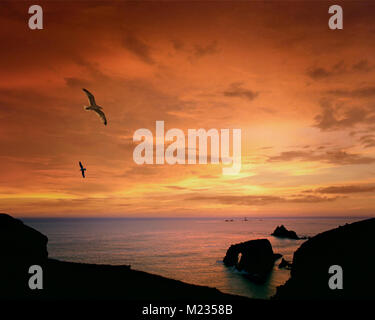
<point x="282" y="232"/>
<point x="351" y="247"/>
<point x="256" y="257"/>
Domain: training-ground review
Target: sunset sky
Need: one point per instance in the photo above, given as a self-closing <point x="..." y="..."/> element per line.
<point x="303" y="95"/>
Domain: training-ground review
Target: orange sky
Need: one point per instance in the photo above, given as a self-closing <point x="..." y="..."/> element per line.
<point x="303" y="95"/>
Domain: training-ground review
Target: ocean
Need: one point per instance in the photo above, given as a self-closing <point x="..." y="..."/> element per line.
<point x="186" y="249"/>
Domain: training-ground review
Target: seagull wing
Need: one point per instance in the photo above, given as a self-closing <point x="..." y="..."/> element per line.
<point x="90" y="96"/>
<point x="101" y="115"/>
<point x="80" y="164"/>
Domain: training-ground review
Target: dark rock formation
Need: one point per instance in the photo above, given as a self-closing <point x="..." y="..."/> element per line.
<point x="277" y="256"/>
<point x="22" y="246"/>
<point x="285" y="264"/>
<point x="256" y="257"/>
<point x="20" y="242"/>
<point x="351" y="247"/>
<point x="282" y="232"/>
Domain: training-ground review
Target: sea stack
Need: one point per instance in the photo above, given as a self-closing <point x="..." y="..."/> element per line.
<point x="256" y="257"/>
<point x="282" y="232"/>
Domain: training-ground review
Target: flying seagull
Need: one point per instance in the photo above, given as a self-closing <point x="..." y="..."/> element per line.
<point x="82" y="169"/>
<point x="94" y="107"/>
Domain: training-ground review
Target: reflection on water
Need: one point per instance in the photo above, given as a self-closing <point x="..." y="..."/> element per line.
<point x="188" y="249"/>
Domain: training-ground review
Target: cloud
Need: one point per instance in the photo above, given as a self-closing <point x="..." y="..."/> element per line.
<point x="329" y="119"/>
<point x="178" y="44"/>
<point x="365" y="92"/>
<point x="75" y="82"/>
<point x="368" y="141"/>
<point x="236" y="90"/>
<point x="255" y="200"/>
<point x="201" y="51"/>
<point x="362" y="66"/>
<point x="320" y="73"/>
<point x="138" y="171"/>
<point x="176" y="188"/>
<point x="346" y="189"/>
<point x="337" y="157"/>
<point x="345" y="158"/>
<point x="139" y="48"/>
<point x="92" y="73"/>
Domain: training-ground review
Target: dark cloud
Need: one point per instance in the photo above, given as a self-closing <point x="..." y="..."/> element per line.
<point x="310" y="199"/>
<point x="319" y="73"/>
<point x="346" y="189"/>
<point x="195" y="51"/>
<point x="139" y="48"/>
<point x="363" y="66"/>
<point x="366" y="92"/>
<point x="176" y="188"/>
<point x="338" y="157"/>
<point x="178" y="44"/>
<point x="236" y="90"/>
<point x="201" y="51"/>
<point x="345" y="158"/>
<point x="366" y="131"/>
<point x="92" y="73"/>
<point x="74" y="82"/>
<point x="368" y="140"/>
<point x="329" y="120"/>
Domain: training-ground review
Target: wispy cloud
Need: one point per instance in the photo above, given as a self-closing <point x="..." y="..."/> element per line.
<point x="329" y="119"/>
<point x="237" y="90"/>
<point x="320" y="73"/>
<point x="256" y="200"/>
<point x="138" y="47"/>
<point x="337" y="157"/>
<point x="346" y="189"/>
<point x="204" y="50"/>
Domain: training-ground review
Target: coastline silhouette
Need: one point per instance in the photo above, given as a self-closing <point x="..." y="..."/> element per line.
<point x="350" y="246"/>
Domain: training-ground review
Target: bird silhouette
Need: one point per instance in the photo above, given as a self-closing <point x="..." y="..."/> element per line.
<point x="82" y="169"/>
<point x="94" y="107"/>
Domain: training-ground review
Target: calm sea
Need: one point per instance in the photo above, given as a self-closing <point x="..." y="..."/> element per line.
<point x="187" y="249"/>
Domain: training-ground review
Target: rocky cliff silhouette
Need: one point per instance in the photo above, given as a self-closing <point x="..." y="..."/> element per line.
<point x="22" y="246"/>
<point x="352" y="247"/>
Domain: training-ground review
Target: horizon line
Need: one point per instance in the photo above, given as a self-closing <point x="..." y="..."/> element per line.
<point x="241" y="218"/>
